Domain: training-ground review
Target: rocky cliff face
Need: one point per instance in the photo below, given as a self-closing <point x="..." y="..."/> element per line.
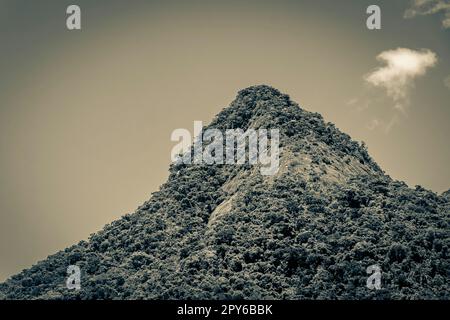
<point x="226" y="231"/>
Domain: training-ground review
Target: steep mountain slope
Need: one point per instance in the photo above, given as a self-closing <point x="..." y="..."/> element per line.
<point x="225" y="231"/>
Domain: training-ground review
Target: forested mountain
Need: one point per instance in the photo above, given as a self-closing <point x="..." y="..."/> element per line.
<point x="226" y="231"/>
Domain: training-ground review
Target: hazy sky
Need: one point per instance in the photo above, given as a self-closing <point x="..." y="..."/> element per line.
<point x="86" y="116"/>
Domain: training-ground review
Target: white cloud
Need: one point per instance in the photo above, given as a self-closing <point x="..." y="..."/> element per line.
<point x="401" y="67"/>
<point x="375" y="123"/>
<point x="427" y="7"/>
<point x="447" y="82"/>
<point x="391" y="124"/>
<point x="385" y="125"/>
<point x="358" y="104"/>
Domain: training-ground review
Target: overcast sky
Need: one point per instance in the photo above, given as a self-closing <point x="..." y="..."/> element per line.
<point x="86" y="116"/>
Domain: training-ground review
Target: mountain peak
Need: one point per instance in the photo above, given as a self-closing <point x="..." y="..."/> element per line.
<point x="265" y="107"/>
<point x="226" y="232"/>
<point x="258" y="92"/>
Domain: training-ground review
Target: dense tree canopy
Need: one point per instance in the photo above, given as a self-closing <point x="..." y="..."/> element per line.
<point x="225" y="231"/>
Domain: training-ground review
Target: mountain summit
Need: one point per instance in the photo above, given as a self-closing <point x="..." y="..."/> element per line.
<point x="310" y="231"/>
